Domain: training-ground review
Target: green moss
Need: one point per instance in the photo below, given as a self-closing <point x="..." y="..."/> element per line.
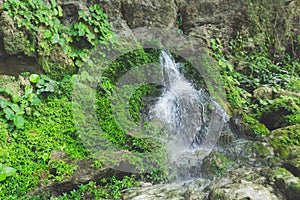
<point x="29" y="150"/>
<point x="285" y="141"/>
<point x="255" y="126"/>
<point x="215" y="165"/>
<point x="259" y="150"/>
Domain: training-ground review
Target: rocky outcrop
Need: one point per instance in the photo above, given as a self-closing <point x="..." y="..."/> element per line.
<point x="84" y="173"/>
<point x="202" y="20"/>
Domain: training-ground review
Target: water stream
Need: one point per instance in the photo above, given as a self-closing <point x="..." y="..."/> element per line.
<point x="192" y="120"/>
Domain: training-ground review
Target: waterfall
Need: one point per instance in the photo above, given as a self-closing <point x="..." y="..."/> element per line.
<point x="192" y="120"/>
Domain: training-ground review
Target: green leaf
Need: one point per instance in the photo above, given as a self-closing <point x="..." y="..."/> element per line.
<point x="35" y="100"/>
<point x="9" y="114"/>
<point x="60" y="11"/>
<point x="55" y="39"/>
<point x="2" y="176"/>
<point x="16" y="109"/>
<point x="78" y="63"/>
<point x="19" y="121"/>
<point x="41" y="83"/>
<point x="9" y="171"/>
<point x="49" y="88"/>
<point x="3" y="103"/>
<point x="47" y="34"/>
<point x="53" y="3"/>
<point x="46" y="78"/>
<point x="34" y="78"/>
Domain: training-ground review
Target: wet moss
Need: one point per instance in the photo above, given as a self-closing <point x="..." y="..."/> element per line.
<point x="215" y="165"/>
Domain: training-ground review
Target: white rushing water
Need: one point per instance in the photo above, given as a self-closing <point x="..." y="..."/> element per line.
<point x="193" y="121"/>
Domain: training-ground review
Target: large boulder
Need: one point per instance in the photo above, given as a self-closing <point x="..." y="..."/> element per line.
<point x="242" y="183"/>
<point x="284" y="182"/>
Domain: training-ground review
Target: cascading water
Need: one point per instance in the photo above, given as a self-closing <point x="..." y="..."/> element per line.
<point x="193" y="121"/>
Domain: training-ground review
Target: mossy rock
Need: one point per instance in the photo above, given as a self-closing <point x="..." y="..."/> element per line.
<point x="258" y="154"/>
<point x="215" y="165"/>
<point x="285" y="141"/>
<point x="14" y="41"/>
<point x="249" y="127"/>
<point x="57" y="69"/>
<point x="280" y="112"/>
<point x="241" y="191"/>
<point x="284" y="182"/>
<point x="259" y="150"/>
<point x="294" y="191"/>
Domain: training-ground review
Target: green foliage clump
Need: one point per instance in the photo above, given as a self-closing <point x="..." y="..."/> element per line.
<point x="60" y="48"/>
<point x="15" y="109"/>
<point x="246" y="68"/>
<point x="108" y="121"/>
<point x="28" y="150"/>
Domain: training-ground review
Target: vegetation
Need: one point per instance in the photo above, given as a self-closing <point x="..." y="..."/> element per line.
<point x="60" y="48"/>
<point x="246" y="69"/>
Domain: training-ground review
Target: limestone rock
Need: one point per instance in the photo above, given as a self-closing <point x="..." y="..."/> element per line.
<point x="164" y="192"/>
<point x="284" y="182"/>
<point x="208" y="19"/>
<point x="149" y="13"/>
<point x="242" y="183"/>
<point x="242" y="191"/>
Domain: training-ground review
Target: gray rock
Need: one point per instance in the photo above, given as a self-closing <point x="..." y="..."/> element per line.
<point x="149" y="13"/>
<point x="242" y="183"/>
<point x="284" y="182"/>
<point x="164" y="192"/>
<point x="241" y="191"/>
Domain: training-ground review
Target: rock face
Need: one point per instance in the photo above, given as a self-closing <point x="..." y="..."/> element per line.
<point x="201" y="19"/>
<point x="208" y="19"/>
<point x="149" y="13"/>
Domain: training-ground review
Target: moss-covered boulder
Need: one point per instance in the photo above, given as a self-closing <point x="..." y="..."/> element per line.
<point x="284" y="182"/>
<point x="248" y="126"/>
<point x="215" y="165"/>
<point x="285" y="141"/>
<point x="280" y="112"/>
<point x="242" y="183"/>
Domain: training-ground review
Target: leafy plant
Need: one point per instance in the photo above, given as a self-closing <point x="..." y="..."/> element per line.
<point x="14" y="110"/>
<point x="6" y="172"/>
<point x="59" y="47"/>
<point x="43" y="83"/>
